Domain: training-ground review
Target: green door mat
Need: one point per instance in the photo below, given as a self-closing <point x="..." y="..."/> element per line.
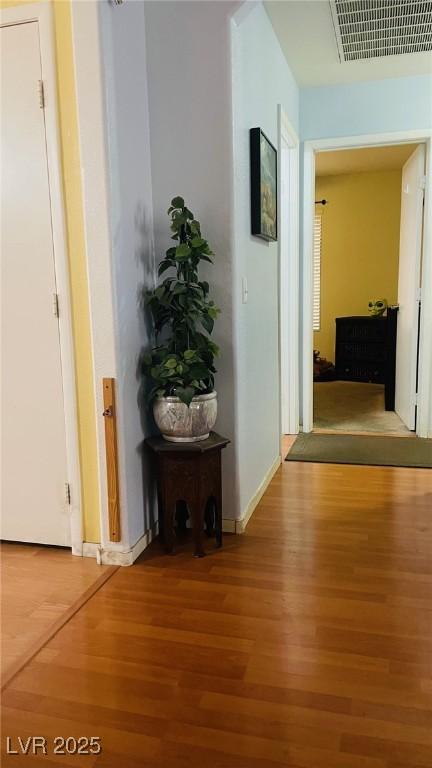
<point x="362" y="449"/>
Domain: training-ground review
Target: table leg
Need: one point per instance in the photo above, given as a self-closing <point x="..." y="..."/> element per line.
<point x="218" y="518"/>
<point x="169" y="511"/>
<point x="197" y="514"/>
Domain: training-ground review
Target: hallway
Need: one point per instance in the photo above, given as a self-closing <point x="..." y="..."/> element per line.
<point x="305" y="642"/>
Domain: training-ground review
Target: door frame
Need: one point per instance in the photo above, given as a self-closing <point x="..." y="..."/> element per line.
<point x="289" y="285"/>
<point x="424" y="399"/>
<point x="42" y="14"/>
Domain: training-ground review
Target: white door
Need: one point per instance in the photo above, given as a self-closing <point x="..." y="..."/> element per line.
<point x="33" y="468"/>
<point x="411" y="227"/>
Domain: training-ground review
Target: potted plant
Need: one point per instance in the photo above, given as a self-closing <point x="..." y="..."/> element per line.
<point x="180" y="366"/>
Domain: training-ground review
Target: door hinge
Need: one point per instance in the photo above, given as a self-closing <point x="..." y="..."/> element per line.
<point x="41" y="94"/>
<point x="419" y="294"/>
<point x="67" y="493"/>
<point x="56" y="306"/>
<point x="423" y="182"/>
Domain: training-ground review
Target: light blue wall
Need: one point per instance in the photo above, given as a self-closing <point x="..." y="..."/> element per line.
<point x="131" y="233"/>
<point x="375" y="106"/>
<point x="261" y="81"/>
<point x="189" y="70"/>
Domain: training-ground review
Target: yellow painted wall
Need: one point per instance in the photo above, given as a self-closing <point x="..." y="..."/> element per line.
<point x="77" y="263"/>
<point x="360" y="246"/>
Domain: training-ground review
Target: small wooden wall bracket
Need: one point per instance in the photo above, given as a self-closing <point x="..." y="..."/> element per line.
<point x="109" y="414"/>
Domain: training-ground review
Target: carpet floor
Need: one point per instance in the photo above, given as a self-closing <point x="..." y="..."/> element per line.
<point x="362" y="449"/>
<point x="352" y="406"/>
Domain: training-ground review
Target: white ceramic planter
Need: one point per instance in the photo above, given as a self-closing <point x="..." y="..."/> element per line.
<point x="179" y="423"/>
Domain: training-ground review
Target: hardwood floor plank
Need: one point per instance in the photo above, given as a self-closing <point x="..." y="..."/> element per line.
<point x="305" y="643"/>
<point x="42" y="587"/>
<point x="320" y="720"/>
<point x="387" y="749"/>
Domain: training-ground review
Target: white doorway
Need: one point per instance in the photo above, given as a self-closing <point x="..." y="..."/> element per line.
<point x="289" y="293"/>
<point x="40" y="475"/>
<point x="424" y="409"/>
<point x="409" y="286"/>
<point x="367" y="245"/>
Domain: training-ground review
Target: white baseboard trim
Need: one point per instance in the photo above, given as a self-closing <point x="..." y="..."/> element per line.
<point x="228" y="525"/>
<point x="240" y="525"/>
<point x="90" y="549"/>
<point x="106" y="556"/>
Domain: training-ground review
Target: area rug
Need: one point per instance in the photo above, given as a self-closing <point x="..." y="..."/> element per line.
<point x="362" y="449"/>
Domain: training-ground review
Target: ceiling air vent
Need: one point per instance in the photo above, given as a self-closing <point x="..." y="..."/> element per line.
<point x="368" y="29"/>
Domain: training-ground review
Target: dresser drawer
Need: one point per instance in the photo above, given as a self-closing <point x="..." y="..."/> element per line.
<point x="361" y="351"/>
<point x="372" y="329"/>
<point x="355" y="371"/>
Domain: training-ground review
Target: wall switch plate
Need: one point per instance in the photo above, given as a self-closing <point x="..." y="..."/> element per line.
<point x="245" y="291"/>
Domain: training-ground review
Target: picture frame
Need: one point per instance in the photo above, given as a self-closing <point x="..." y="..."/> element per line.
<point x="264" y="186"/>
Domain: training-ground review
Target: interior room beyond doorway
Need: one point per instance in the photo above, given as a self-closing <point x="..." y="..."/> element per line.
<point x="356" y="282"/>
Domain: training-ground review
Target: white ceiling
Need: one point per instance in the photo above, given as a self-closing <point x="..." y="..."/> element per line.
<point x="362" y="160"/>
<point x="306" y="34"/>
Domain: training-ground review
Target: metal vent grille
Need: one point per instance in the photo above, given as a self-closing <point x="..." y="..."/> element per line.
<point x="368" y="29"/>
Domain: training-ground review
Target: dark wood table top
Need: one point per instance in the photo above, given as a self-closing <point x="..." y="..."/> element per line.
<point x="159" y="445"/>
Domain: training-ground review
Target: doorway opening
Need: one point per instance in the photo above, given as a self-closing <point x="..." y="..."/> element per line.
<point x="366" y="288"/>
<point x="422" y="406"/>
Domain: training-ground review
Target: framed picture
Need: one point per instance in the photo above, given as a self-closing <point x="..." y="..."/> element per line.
<point x="263" y="167"/>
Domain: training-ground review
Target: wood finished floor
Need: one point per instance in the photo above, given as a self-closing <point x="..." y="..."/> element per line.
<point x="304" y="643"/>
<point x="38" y="586"/>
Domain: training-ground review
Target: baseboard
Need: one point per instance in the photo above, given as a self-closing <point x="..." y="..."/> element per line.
<point x="240" y="525"/>
<point x="228" y="525"/>
<point x="107" y="556"/>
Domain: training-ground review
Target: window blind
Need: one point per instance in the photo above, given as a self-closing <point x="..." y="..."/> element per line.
<point x="317" y="272"/>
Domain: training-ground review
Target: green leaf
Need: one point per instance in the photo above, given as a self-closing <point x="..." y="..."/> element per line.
<point x="171" y="362"/>
<point x="178" y="217"/>
<point x="177" y="202"/>
<point x="185" y="394"/>
<point x="163" y="266"/>
<point x="189" y="354"/>
<point x="182" y="251"/>
<point x="208" y="323"/>
<point x="197" y="242"/>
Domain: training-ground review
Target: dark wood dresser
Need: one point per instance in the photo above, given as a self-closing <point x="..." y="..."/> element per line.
<point x="366" y="351"/>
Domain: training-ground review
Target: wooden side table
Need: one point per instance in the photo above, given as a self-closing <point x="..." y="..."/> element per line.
<point x="191" y="473"/>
